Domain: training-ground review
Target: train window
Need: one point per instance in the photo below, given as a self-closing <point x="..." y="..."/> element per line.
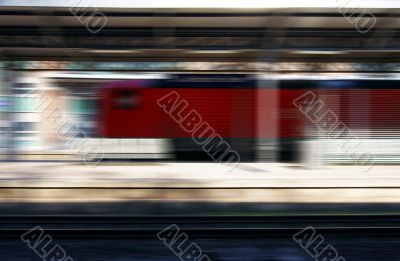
<point x="125" y="99"/>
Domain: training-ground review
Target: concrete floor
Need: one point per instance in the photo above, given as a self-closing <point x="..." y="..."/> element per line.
<point x="197" y="182"/>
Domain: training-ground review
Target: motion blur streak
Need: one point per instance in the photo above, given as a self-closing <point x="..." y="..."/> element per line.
<point x="299" y="101"/>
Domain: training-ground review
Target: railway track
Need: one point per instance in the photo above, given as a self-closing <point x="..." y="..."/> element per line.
<point x="201" y="226"/>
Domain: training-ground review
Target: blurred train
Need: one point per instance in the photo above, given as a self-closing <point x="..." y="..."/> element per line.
<point x="255" y="115"/>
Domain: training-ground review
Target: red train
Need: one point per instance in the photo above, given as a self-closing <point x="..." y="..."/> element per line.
<point x="247" y="113"/>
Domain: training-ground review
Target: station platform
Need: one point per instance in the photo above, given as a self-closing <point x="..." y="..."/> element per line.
<point x="197" y="182"/>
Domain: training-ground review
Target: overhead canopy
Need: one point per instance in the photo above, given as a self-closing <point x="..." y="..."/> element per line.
<point x="154" y="31"/>
<point x="152" y="4"/>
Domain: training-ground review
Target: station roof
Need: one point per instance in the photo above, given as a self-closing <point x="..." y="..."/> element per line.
<point x="199" y="30"/>
<point x="223" y="4"/>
